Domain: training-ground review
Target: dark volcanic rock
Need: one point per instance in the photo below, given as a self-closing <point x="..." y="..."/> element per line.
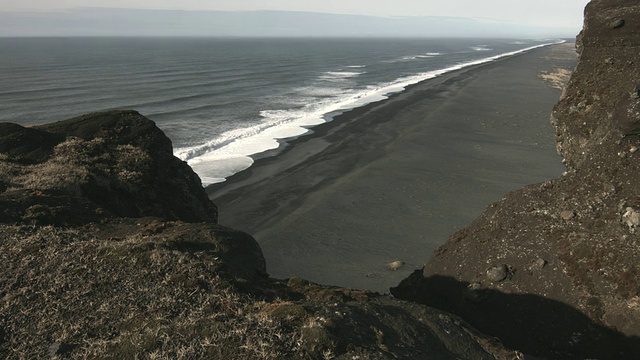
<point x="27" y="144"/>
<point x="115" y="163"/>
<point x="497" y="273"/>
<point x="583" y="301"/>
<point x="598" y="110"/>
<point x="118" y="127"/>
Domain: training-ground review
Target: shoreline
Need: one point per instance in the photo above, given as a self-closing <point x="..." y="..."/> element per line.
<point x="287" y="144"/>
<point x="410" y="169"/>
<point x="403" y="83"/>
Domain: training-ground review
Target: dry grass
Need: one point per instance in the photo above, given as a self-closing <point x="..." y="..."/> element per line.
<point x="113" y="294"/>
<point x="76" y="162"/>
<point x="117" y="299"/>
<point x="135" y="296"/>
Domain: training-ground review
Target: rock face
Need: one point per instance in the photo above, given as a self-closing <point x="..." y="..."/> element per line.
<point x="112" y="164"/>
<point x="600" y="106"/>
<point x="109" y="248"/>
<point x="573" y="289"/>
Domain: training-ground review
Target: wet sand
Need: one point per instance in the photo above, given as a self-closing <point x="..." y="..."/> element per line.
<point x="392" y="180"/>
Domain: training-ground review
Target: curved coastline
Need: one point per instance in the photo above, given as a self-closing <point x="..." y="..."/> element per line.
<point x="272" y="144"/>
<point x="337" y="118"/>
<point x="391" y="180"/>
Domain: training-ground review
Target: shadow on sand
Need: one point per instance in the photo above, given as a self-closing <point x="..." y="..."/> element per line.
<point x="533" y="324"/>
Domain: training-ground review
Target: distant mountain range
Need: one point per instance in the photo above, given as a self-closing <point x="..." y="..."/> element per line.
<point x="127" y="22"/>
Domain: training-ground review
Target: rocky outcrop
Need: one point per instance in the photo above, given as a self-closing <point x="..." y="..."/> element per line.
<point x="109" y="248"/>
<point x="600" y="104"/>
<point x="112" y="164"/>
<point x="553" y="269"/>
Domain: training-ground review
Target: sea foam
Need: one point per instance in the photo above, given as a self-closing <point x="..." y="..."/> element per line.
<point x="232" y="151"/>
<point x="339" y="75"/>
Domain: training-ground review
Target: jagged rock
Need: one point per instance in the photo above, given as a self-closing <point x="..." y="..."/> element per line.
<point x="581" y="305"/>
<point x="612" y="114"/>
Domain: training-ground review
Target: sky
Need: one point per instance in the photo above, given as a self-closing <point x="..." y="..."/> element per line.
<point x="565" y="16"/>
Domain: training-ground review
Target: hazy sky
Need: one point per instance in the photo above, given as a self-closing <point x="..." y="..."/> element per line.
<point x="82" y="17"/>
<point x="547" y="13"/>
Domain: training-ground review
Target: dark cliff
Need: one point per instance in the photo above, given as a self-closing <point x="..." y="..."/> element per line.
<point x="114" y="164"/>
<point x="109" y="248"/>
<point x="554" y="269"/>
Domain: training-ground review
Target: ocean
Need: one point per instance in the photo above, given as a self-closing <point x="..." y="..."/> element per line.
<point x="221" y="100"/>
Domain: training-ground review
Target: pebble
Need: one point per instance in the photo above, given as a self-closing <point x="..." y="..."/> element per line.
<point x="497" y="273"/>
<point x="540" y="263"/>
<point x="567" y="215"/>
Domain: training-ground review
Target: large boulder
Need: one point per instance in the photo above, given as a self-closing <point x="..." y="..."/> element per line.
<point x="554" y="269"/>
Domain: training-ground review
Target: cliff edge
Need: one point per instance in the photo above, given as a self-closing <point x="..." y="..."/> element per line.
<point x="554" y="269"/>
<point x="109" y="248"/>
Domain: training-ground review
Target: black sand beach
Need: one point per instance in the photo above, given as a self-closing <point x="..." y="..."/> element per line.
<point x="392" y="180"/>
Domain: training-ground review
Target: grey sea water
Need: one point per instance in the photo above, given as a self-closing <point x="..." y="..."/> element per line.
<point x="221" y="100"/>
